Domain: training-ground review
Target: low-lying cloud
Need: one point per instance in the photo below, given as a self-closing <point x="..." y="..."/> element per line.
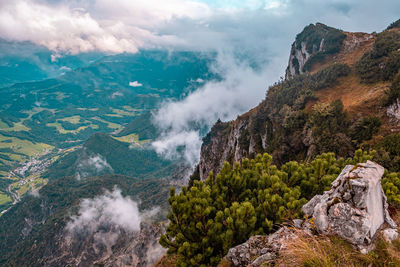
<point x="116" y="94"/>
<point x="183" y="123"/>
<point x="92" y="165"/>
<point x="105" y="220"/>
<point x="109" y="209"/>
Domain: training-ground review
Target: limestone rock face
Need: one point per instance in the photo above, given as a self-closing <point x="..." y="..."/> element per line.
<point x="355" y="207"/>
<point x="260" y="249"/>
<point x="394" y="110"/>
<point x="300" y="56"/>
<point x="221" y="144"/>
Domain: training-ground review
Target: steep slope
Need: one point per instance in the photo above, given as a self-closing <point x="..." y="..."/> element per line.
<point x="335" y="98"/>
<point x="36" y="229"/>
<point x="103" y="154"/>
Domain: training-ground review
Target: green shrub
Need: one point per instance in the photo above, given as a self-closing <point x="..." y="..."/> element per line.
<point x="391" y="186"/>
<point x="247" y="199"/>
<point x="392" y="66"/>
<point x="364" y="128"/>
<point x="296" y="65"/>
<point x="394" y="91"/>
<point x="393" y="25"/>
<point x="329" y="124"/>
<point x="388" y="152"/>
<point x="383" y="61"/>
<point x="329" y="75"/>
<point x="312" y="35"/>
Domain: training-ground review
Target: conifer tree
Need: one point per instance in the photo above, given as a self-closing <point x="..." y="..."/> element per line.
<point x="249" y="198"/>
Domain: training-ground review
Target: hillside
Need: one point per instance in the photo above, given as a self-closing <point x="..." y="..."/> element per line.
<point x="335" y="99"/>
<point x="299" y="148"/>
<point x="35" y="230"/>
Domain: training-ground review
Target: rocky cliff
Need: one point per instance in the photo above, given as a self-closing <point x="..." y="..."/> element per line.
<point x="312" y="44"/>
<point x="327" y="103"/>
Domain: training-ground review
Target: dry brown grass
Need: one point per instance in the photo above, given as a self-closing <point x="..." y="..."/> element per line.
<point x="351" y="51"/>
<point x="331" y="251"/>
<point x="166" y="261"/>
<point x="356" y="97"/>
<point x="311" y="250"/>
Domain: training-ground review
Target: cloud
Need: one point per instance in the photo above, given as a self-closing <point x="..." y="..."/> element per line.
<point x="183" y="123"/>
<point x="106" y="220"/>
<point x="109" y="209"/>
<point x="117" y="93"/>
<point x="35" y="193"/>
<point x="92" y="165"/>
<point x="154" y="252"/>
<point x="110" y="26"/>
<point x="135" y="84"/>
<point x="128" y="25"/>
<point x="257" y="32"/>
<point x="254" y="43"/>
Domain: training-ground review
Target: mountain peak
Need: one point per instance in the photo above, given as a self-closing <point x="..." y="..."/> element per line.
<point x="311" y="46"/>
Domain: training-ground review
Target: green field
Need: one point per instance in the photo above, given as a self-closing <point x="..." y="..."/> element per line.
<point x="4" y="198"/>
<point x="131" y="138"/>
<point x="18" y="126"/>
<point x="23" y="146"/>
<point x="61" y="129"/>
<point x="110" y="125"/>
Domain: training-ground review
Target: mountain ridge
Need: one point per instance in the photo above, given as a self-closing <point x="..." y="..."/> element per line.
<point x="358" y="99"/>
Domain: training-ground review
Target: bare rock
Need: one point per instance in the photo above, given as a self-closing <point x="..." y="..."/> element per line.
<point x="394" y="110"/>
<point x="355" y="207"/>
<point x="297" y="223"/>
<point x="259" y="249"/>
<point x="390" y="234"/>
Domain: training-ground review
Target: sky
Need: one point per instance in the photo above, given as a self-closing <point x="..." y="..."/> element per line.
<point x="257" y="32"/>
<point x="128" y="25"/>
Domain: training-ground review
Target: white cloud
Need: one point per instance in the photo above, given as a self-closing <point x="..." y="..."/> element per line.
<point x="154" y="252"/>
<point x="115" y="94"/>
<point x="92" y="165"/>
<point x="128" y="25"/>
<point x="109" y="209"/>
<point x="65" y="68"/>
<point x="135" y="84"/>
<point x="182" y="122"/>
<point x="109" y="218"/>
<point x="110" y="26"/>
<point x="35" y="193"/>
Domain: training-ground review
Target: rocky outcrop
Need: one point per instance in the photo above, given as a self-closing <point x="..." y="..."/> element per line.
<point x="259" y="249"/>
<point x="393" y="110"/>
<point x="220" y="145"/>
<point x="355" y="209"/>
<point x="299" y="57"/>
<point x="311" y="45"/>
